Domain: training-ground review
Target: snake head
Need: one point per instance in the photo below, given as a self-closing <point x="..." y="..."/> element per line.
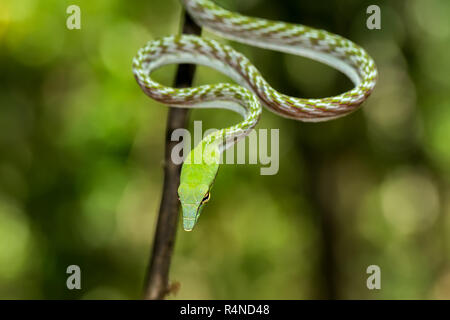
<point x="196" y="181"/>
<point x="193" y="199"/>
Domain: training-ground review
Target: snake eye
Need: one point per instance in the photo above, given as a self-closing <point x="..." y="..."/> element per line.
<point x="205" y="198"/>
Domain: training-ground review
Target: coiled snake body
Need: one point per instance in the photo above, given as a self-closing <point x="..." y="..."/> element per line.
<point x="201" y="165"/>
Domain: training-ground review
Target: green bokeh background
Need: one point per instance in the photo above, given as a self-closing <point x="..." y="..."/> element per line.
<point x="81" y="151"/>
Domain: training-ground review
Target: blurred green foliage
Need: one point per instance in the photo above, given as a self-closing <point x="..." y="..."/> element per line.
<point x="81" y="155"/>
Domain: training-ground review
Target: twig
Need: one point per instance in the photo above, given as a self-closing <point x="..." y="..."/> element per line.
<point x="157" y="279"/>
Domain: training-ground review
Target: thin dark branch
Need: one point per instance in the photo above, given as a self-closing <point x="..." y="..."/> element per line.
<point x="157" y="279"/>
<point x="319" y="195"/>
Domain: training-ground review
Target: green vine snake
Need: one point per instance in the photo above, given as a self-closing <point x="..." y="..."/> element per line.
<point x="201" y="164"/>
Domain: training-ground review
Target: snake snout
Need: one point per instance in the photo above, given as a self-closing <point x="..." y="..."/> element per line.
<point x="189" y="217"/>
<point x="188" y="224"/>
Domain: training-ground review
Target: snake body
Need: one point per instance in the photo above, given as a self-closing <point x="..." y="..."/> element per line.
<point x="252" y="89"/>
